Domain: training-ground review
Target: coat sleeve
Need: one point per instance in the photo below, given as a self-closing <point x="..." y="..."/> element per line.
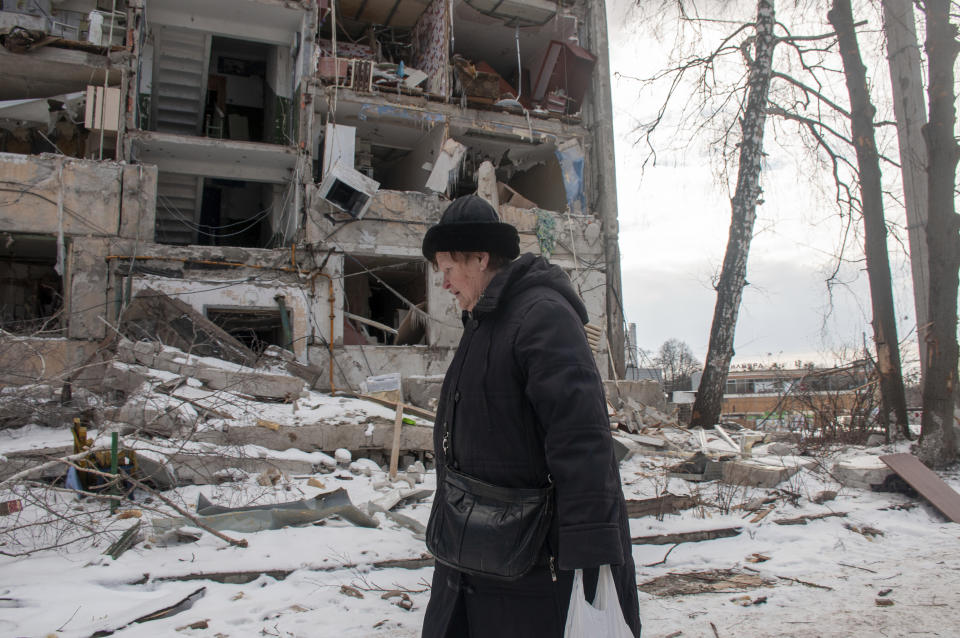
<point x="566" y="392"/>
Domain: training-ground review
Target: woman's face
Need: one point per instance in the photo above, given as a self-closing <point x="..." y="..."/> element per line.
<point x="466" y="278"/>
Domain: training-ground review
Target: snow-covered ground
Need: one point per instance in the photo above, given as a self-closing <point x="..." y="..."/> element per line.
<point x="890" y="566"/>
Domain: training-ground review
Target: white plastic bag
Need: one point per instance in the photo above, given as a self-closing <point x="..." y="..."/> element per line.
<point x="602" y="619"/>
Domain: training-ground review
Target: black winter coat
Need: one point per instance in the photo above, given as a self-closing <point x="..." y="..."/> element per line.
<point x="523" y="400"/>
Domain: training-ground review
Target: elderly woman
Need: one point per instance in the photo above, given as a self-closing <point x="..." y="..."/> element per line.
<point x="522" y="416"/>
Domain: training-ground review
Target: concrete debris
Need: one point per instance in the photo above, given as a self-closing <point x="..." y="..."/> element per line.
<point x="270" y="477"/>
<point x="157" y="414"/>
<point x="824" y="497"/>
<point x="861" y="471"/>
<point x="635" y="416"/>
<point x="699" y="467"/>
<point x="343" y="457"/>
<point x="763" y="472"/>
<point x="215" y="374"/>
<point x="366" y="467"/>
<point x="155" y="315"/>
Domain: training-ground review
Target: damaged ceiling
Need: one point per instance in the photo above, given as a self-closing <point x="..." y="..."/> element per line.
<point x="390" y="13"/>
<point x="480" y="37"/>
<point x="270" y="22"/>
<point x="49" y="71"/>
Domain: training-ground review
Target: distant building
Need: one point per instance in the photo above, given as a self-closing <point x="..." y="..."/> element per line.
<point x="784" y="397"/>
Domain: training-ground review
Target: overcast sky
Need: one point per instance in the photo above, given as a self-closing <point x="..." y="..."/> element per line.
<point x="674" y="220"/>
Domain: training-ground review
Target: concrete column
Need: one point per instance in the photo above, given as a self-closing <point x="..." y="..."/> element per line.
<point x="603" y="182"/>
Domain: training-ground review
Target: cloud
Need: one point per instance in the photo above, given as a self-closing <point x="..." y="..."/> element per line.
<point x="785" y="313"/>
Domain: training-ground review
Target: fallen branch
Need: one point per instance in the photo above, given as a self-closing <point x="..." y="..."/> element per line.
<point x="664" y="559"/>
<point x="687" y="537"/>
<point x="803" y="582"/>
<point x="855" y="567"/>
<point x="802" y="520"/>
<point x="242" y="578"/>
<point x="411" y="409"/>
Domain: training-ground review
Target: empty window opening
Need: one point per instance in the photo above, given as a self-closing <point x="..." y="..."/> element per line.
<point x="374" y="314"/>
<point x="240" y="103"/>
<point x="241" y="91"/>
<point x="219" y="212"/>
<point x="31" y="291"/>
<point x="255" y="328"/>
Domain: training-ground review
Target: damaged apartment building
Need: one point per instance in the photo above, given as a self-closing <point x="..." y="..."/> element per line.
<point x="274" y="164"/>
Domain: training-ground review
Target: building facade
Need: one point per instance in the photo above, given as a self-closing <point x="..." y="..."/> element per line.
<point x="274" y="164"/>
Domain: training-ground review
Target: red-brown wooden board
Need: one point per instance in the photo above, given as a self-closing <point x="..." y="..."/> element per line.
<point x="930" y="486"/>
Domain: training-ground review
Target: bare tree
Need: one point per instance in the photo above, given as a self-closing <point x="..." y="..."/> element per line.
<point x="938" y="446"/>
<point x="903" y="56"/>
<point x="678" y="363"/>
<point x="733" y="276"/>
<point x="862" y="111"/>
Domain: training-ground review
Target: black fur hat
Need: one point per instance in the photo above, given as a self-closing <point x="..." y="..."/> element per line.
<point x="470" y="223"/>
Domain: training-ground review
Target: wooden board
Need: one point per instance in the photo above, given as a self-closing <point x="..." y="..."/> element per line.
<point x="930" y="486"/>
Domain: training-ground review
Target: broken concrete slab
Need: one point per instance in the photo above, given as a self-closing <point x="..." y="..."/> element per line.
<point x="157" y="414"/>
<point x="700" y="467"/>
<point x="645" y="392"/>
<point x="376" y="434"/>
<point x="763" y="471"/>
<point x="124" y="377"/>
<point x="861" y="471"/>
<point x="155" y="315"/>
<point x="215" y="373"/>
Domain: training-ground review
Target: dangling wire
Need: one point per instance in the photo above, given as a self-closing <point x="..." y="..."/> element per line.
<point x="516" y="101"/>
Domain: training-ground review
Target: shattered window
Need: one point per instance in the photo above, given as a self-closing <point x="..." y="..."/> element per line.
<point x="378" y="293"/>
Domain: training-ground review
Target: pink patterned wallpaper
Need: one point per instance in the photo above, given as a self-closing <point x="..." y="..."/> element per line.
<point x="431" y="49"/>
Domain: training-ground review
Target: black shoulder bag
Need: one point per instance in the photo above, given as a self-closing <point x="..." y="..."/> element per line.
<point x="485" y="529"/>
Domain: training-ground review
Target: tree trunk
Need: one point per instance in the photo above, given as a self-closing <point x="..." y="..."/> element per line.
<point x="892" y="397"/>
<point x="938" y="447"/>
<point x="733" y="276"/>
<point x="903" y="56"/>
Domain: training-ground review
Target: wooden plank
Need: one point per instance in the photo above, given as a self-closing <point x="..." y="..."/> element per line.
<point x="687" y="537"/>
<point x="930" y="486"/>
<point x="666" y="504"/>
<point x="395" y="448"/>
<point x="803" y="520"/>
<point x="409" y="409"/>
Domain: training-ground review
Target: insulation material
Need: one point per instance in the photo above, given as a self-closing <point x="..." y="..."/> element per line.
<point x="444" y="169"/>
<point x="339" y="146"/>
<point x="570" y="156"/>
<point x="430" y="50"/>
